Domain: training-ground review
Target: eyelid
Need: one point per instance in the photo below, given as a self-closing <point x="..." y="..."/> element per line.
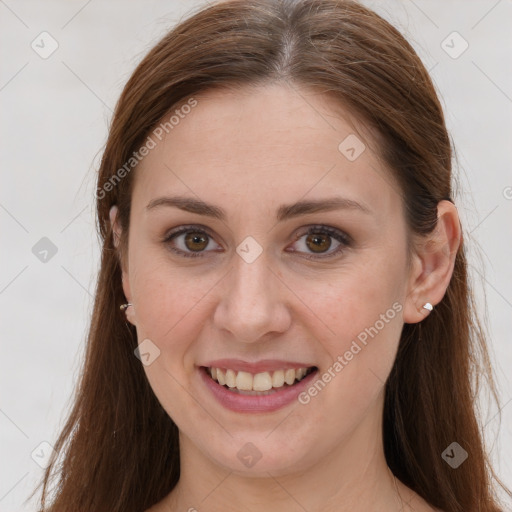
<point x="323" y="228"/>
<point x="186" y="227"/>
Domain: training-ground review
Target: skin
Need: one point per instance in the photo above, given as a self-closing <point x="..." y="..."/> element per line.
<point x="248" y="152"/>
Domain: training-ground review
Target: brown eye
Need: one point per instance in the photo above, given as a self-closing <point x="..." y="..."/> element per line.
<point x="188" y="241"/>
<point x="318" y="242"/>
<point x="196" y="241"/>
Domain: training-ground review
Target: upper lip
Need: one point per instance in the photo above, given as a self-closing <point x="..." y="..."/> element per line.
<point x="256" y="367"/>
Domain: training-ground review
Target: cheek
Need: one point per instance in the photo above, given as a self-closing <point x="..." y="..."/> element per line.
<point x="168" y="302"/>
<point x="363" y="312"/>
<point x="358" y="298"/>
<point x="171" y="304"/>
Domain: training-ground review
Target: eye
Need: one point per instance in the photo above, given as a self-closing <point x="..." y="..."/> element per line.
<point x="192" y="241"/>
<point x="318" y="241"/>
<point x="192" y="245"/>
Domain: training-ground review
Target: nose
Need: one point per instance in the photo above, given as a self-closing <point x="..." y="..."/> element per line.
<point x="252" y="301"/>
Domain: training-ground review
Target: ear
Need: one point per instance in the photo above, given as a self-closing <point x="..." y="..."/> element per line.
<point x="116" y="234"/>
<point x="114" y="224"/>
<point x="433" y="263"/>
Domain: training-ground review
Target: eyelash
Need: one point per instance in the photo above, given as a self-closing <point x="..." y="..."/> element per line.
<point x="344" y="239"/>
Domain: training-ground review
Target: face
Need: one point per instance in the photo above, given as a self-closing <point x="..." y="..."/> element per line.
<point x="262" y="288"/>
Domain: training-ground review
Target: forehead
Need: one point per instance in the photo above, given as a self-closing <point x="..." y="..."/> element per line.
<point x="260" y="145"/>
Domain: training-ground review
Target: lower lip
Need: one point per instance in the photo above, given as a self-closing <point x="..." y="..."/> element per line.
<point x="254" y="403"/>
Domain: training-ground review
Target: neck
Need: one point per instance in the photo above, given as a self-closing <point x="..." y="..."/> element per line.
<point x="353" y="477"/>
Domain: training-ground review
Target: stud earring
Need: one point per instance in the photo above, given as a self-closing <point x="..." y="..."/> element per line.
<point x="428" y="306"/>
<point x="122" y="307"/>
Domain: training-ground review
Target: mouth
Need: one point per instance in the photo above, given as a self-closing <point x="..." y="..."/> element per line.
<point x="257" y="384"/>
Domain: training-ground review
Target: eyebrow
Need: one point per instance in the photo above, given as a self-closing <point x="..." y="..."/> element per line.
<point x="284" y="212"/>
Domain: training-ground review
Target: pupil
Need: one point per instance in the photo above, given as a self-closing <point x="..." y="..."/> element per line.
<point x="195" y="239"/>
<point x="319" y="242"/>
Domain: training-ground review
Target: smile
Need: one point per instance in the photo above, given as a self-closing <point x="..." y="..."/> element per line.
<point x="261" y="383"/>
<point x="256" y="392"/>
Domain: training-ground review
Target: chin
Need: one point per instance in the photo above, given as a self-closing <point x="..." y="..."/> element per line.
<point x="258" y="455"/>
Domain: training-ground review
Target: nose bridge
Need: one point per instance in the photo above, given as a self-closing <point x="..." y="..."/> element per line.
<point x="251" y="281"/>
<point x="250" y="307"/>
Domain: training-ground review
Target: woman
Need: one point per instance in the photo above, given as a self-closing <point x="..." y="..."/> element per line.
<point x="282" y="319"/>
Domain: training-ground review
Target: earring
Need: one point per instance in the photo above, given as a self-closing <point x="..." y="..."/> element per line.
<point x="122" y="307"/>
<point x="428" y="306"/>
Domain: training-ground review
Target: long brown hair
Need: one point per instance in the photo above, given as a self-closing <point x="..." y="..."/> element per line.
<point x="118" y="451"/>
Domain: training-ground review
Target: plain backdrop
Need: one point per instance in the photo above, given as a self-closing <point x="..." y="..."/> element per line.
<point x="55" y="113"/>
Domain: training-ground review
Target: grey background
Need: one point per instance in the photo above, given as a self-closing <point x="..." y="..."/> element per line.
<point x="54" y="124"/>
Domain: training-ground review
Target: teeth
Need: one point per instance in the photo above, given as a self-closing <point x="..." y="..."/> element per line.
<point x="264" y="381"/>
<point x="230" y="379"/>
<point x="244" y="381"/>
<point x="278" y="379"/>
<point x="289" y="376"/>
